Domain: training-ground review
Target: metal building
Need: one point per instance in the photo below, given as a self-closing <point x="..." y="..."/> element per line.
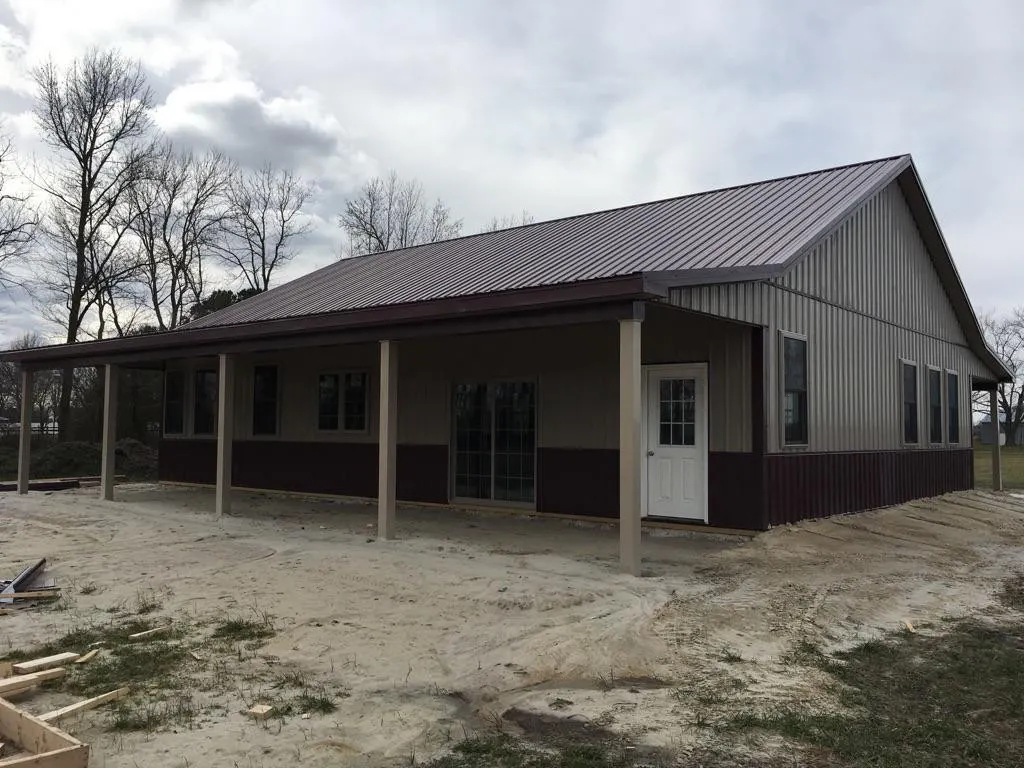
<point x="739" y="358"/>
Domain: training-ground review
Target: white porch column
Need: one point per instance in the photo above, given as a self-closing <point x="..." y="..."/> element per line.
<point x="109" y="433"/>
<point x="630" y="463"/>
<point x="387" y="440"/>
<point x="25" y="436"/>
<point x="225" y="431"/>
<point x="997" y="463"/>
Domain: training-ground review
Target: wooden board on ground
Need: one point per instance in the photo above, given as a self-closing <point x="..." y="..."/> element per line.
<point x="41" y="594"/>
<point x="260" y="711"/>
<point x="82" y="706"/>
<point x="23" y="682"/>
<point x="150" y="633"/>
<point x="48" y="747"/>
<point x="89" y="656"/>
<point x="36" y="665"/>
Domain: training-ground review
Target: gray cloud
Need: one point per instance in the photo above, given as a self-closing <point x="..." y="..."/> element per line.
<point x="582" y="104"/>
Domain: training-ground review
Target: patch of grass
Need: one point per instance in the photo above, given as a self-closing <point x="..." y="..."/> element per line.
<point x="315" y="700"/>
<point x="89" y="588"/>
<point x="146" y="601"/>
<point x="79" y="639"/>
<point x="156" y="664"/>
<point x="730" y="656"/>
<point x="128" y="715"/>
<point x="953" y="700"/>
<point x="1012" y="593"/>
<point x="259" y="627"/>
<point x="1012" y="465"/>
<point x="506" y="752"/>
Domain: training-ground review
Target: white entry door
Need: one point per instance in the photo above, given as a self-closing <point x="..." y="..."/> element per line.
<point x="676" y="441"/>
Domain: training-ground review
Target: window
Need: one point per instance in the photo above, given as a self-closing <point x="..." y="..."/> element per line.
<point x="934" y="405"/>
<point x="356" y="402"/>
<point x="205" y="413"/>
<point x="494" y="440"/>
<point x="264" y="400"/>
<point x="677" y="420"/>
<point x="174" y="402"/>
<point x="794" y="385"/>
<point x="909" y="387"/>
<point x="343" y="402"/>
<point x="953" y="407"/>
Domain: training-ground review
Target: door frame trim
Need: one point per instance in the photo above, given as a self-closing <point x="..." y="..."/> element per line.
<point x="684" y="369"/>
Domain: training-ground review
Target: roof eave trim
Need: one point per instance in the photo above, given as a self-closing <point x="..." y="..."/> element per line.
<point x="622" y="288"/>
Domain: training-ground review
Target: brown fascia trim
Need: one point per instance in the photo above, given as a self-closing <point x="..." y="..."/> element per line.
<point x="171" y="344"/>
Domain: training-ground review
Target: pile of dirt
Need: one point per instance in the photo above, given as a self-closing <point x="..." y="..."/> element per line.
<point x="71" y="459"/>
<point x="136" y="459"/>
<point x="77" y="458"/>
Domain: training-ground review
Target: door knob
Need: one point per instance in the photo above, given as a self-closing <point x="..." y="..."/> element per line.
<point x="650" y="453"/>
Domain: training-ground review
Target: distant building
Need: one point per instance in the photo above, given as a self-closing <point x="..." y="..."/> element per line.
<point x="986" y="433"/>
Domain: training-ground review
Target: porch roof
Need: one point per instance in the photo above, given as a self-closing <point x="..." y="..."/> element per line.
<point x="749" y="232"/>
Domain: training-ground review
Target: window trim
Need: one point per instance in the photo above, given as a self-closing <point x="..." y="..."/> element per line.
<point x="781" y="358"/>
<point x="903" y="361"/>
<point x="942" y="405"/>
<point x="277" y="404"/>
<point x="184" y="403"/>
<point x="959" y="417"/>
<point x="340" y="429"/>
<point x="195" y="402"/>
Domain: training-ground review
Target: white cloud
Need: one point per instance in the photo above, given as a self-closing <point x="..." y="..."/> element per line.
<point x="570" y="106"/>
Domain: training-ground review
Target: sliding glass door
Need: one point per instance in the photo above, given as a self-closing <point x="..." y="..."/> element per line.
<point x="495" y="440"/>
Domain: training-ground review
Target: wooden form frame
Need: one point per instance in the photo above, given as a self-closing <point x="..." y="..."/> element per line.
<point x="47" y="747"/>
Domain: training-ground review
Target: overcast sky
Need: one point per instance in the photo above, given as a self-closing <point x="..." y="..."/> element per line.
<point x="569" y="106"/>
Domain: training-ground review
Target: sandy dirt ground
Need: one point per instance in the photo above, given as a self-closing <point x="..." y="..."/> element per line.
<point x="466" y="617"/>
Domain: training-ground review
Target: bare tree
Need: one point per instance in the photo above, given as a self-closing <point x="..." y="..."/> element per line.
<point x="96" y="116"/>
<point x="389" y="213"/>
<point x="179" y="218"/>
<point x="265" y="218"/>
<point x="1005" y="335"/>
<point x="17" y="219"/>
<point x="45" y="384"/>
<point x="507" y="222"/>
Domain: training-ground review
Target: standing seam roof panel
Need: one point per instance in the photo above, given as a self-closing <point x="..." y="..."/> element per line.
<point x="755" y="225"/>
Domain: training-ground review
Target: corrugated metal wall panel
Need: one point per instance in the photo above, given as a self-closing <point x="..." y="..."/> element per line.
<point x="865" y="297"/>
<point x="878" y="264"/>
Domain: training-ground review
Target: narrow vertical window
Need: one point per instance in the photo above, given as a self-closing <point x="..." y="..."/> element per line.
<point x="794" y="398"/>
<point x="174" y="402"/>
<point x="328" y="401"/>
<point x="356" y="398"/>
<point x="953" y="407"/>
<point x="264" y="400"/>
<point x="909" y="387"/>
<point x="205" y="412"/>
<point x="934" y="405"/>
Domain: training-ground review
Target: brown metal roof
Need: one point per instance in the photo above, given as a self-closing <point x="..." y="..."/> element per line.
<point x="743" y="232"/>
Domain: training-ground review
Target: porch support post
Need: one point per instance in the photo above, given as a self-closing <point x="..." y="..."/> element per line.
<point x="997" y="463"/>
<point x="630" y="463"/>
<point x="225" y="431"/>
<point x="107" y="467"/>
<point x="387" y="440"/>
<point x="25" y="436"/>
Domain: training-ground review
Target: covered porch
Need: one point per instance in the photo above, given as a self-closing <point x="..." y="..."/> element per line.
<point x="631" y="411"/>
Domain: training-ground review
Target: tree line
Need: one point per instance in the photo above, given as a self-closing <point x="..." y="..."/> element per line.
<point x="121" y="231"/>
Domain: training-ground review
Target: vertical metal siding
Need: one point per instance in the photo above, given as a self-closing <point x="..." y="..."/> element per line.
<point x="877" y="263"/>
<point x="865" y="297"/>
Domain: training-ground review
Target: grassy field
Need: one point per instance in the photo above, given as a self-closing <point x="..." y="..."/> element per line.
<point x="1013" y="466"/>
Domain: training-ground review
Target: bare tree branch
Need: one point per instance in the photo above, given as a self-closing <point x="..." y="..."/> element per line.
<point x="96" y="117"/>
<point x="507" y="222"/>
<point x="265" y="219"/>
<point x="1005" y="335"/>
<point x="18" y="221"/>
<point x="180" y="218"/>
<point x="390" y="213"/>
